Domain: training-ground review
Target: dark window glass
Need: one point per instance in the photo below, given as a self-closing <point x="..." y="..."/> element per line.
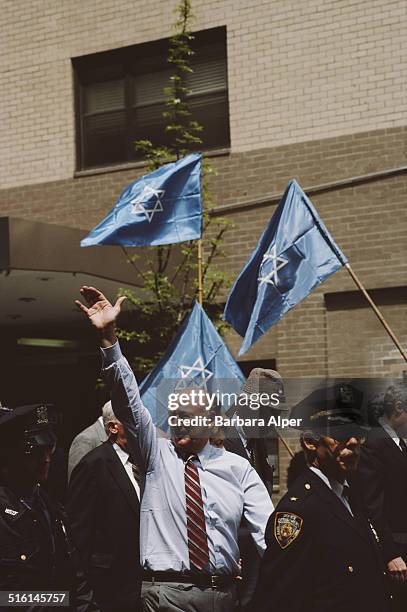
<point x="120" y="98"/>
<point x="273" y="458"/>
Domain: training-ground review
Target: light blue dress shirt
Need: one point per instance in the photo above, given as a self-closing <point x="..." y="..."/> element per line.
<point x="231" y="488"/>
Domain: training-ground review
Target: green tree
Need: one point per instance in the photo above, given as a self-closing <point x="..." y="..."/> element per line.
<point x="168" y="290"/>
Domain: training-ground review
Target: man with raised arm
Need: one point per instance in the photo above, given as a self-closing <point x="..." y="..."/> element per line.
<point x="195" y="493"/>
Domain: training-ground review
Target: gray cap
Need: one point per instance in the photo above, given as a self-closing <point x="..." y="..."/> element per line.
<point x="261" y="380"/>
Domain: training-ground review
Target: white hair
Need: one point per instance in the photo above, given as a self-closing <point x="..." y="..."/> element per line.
<point x="108" y="416"/>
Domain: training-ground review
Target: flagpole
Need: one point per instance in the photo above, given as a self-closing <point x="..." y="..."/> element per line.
<point x="289" y="449"/>
<point x="376" y="311"/>
<point x="200" y="289"/>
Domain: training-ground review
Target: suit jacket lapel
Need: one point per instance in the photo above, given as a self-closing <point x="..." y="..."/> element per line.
<point x="356" y="522"/>
<point x="393" y="448"/>
<point x="120" y="476"/>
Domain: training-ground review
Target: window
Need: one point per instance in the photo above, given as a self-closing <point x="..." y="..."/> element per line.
<point x="248" y="366"/>
<point x="120" y="98"/>
<point x="273" y="459"/>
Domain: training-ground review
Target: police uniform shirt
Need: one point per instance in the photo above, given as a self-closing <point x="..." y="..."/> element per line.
<point x="319" y="557"/>
<point x="335" y="486"/>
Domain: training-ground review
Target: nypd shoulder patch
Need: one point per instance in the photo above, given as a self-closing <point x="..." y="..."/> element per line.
<point x="287" y="527"/>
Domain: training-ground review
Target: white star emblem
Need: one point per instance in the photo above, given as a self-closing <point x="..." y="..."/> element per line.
<point x="277" y="263"/>
<point x="139" y="203"/>
<point x="196" y="370"/>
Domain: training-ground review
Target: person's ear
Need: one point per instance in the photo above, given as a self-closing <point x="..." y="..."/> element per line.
<point x="398" y="408"/>
<point x="309" y="441"/>
<point x="112" y="428"/>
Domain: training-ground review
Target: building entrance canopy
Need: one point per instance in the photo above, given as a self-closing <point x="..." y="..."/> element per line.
<point x="42" y="268"/>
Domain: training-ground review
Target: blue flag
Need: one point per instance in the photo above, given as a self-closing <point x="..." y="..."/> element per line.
<point x="294" y="255"/>
<point x="196" y="358"/>
<point x="162" y="207"/>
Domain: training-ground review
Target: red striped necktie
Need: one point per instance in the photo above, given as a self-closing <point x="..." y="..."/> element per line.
<point x="196" y="527"/>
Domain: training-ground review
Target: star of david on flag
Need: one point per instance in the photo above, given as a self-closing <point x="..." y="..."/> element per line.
<point x="196" y="374"/>
<point x="276" y="264"/>
<point x="198" y="358"/>
<point x="294" y="255"/>
<point x="163" y="207"/>
<point x="141" y="204"/>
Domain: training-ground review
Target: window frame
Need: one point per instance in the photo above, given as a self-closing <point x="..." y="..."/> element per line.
<point x="124" y="60"/>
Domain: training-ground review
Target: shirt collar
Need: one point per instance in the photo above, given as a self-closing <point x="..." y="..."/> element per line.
<point x="205" y="454"/>
<point x="388" y="429"/>
<point x="337" y="487"/>
<point x="123" y="456"/>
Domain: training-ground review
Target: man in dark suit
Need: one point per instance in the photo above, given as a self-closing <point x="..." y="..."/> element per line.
<point x="87" y="440"/>
<point x="322" y="554"/>
<point x="104" y="509"/>
<point x="383" y="475"/>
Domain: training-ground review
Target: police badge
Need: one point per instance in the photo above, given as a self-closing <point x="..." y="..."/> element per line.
<point x="42" y="415"/>
<point x="287" y="527"/>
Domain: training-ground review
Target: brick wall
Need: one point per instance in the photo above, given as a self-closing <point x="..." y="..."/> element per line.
<point x="298" y="71"/>
<point x="369" y="221"/>
<point x="316" y="93"/>
<point x="80" y="202"/>
<point x="358" y="345"/>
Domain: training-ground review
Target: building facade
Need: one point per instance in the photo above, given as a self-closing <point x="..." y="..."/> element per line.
<point x="311" y="90"/>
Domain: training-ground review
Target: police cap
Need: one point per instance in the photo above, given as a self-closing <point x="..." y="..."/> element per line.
<point x="334" y="411"/>
<point x="27" y="424"/>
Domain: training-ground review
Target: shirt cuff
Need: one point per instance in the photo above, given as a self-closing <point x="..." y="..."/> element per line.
<point x="111" y="354"/>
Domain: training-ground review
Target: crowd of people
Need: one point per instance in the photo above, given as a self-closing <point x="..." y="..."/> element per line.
<point x="186" y="523"/>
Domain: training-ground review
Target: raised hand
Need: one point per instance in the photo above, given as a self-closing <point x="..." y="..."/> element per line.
<point x="100" y="312"/>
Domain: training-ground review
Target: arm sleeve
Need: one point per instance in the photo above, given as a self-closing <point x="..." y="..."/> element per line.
<point x="84" y="597"/>
<point x="371" y="476"/>
<point x="128" y="407"/>
<point x="257" y="506"/>
<point x="286" y="575"/>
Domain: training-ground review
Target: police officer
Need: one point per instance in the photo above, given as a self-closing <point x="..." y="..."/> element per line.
<point x="322" y="553"/>
<point x="35" y="549"/>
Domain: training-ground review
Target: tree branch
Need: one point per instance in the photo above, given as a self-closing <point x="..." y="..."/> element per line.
<point x="213" y="251"/>
<point x="132" y="262"/>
